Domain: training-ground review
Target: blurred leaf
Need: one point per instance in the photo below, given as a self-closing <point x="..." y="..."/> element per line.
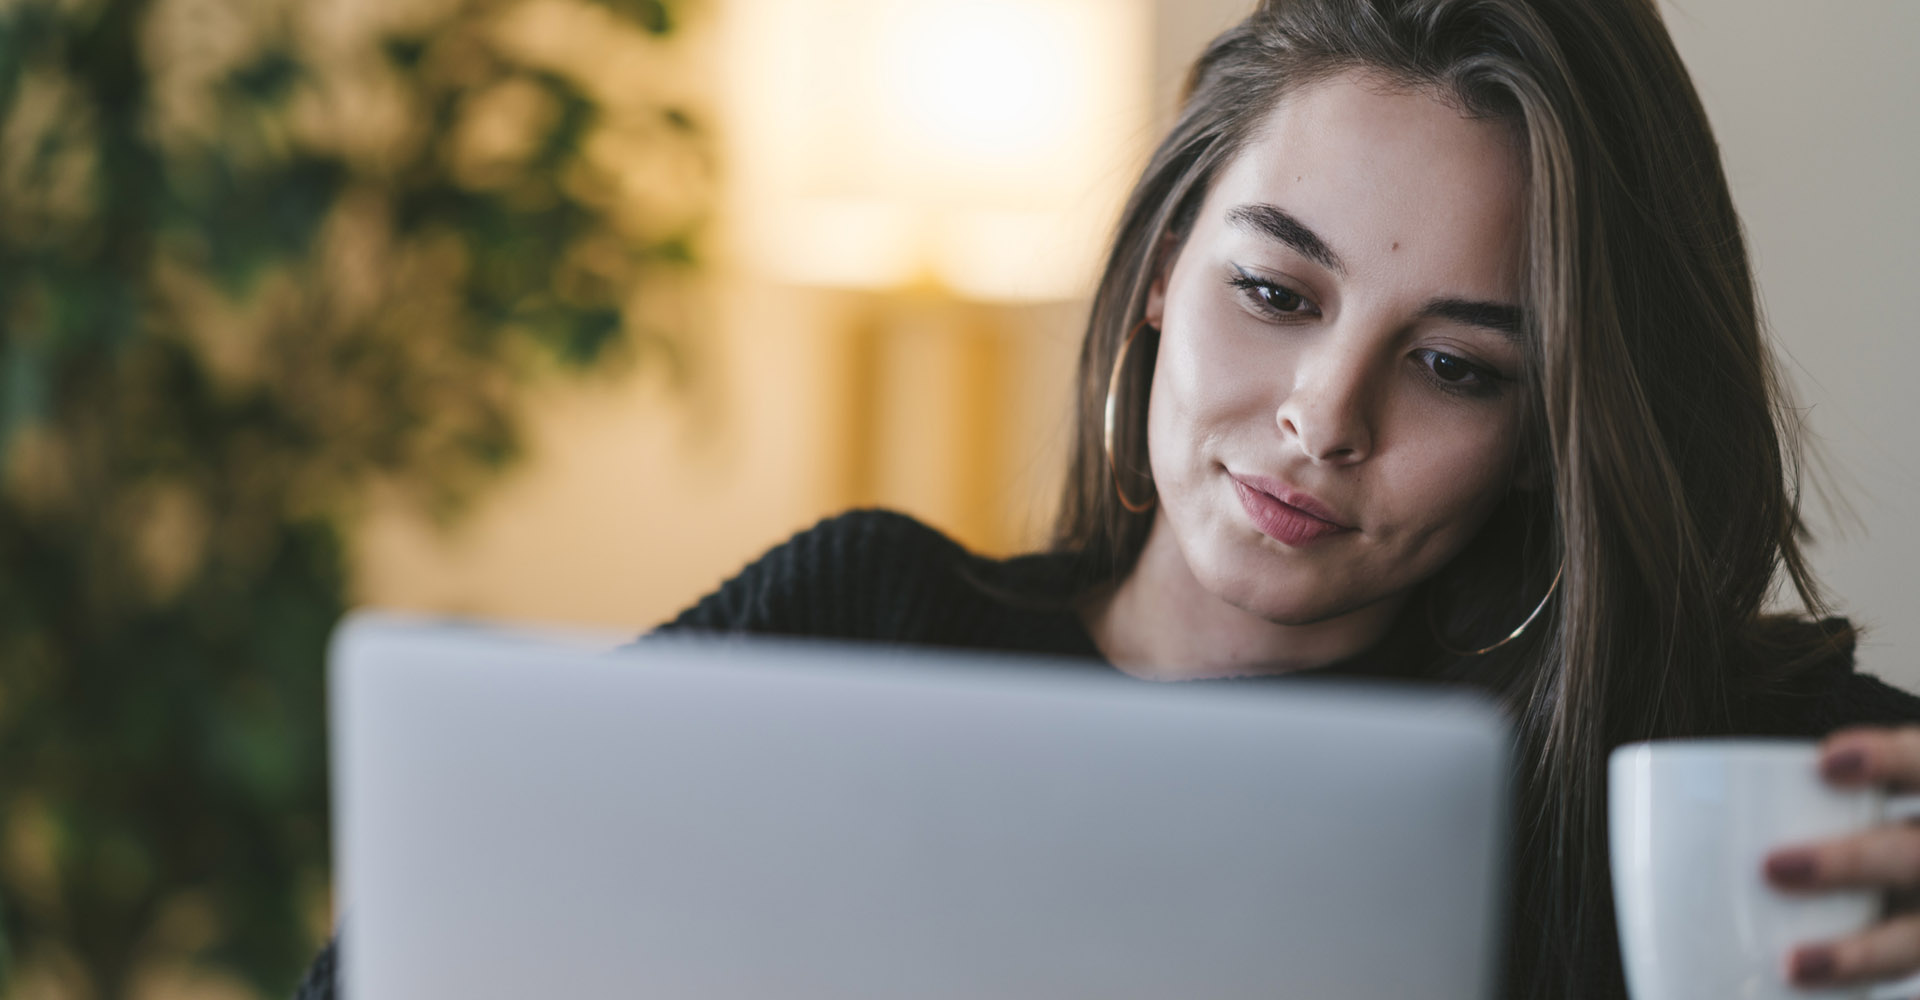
<point x="678" y="120"/>
<point x="577" y="117"/>
<point x="25" y="394"/>
<point x="674" y="250"/>
<point x="253" y="222"/>
<point x="653" y="16"/>
<point x="269" y="78"/>
<point x="404" y="53"/>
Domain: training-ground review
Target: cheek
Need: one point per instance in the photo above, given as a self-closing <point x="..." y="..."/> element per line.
<point x="1175" y="418"/>
<point x="1451" y="473"/>
<point x="1211" y="382"/>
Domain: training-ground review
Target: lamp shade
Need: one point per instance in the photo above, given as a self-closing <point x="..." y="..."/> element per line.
<point x="978" y="146"/>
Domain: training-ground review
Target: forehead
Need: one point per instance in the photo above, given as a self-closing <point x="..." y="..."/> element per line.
<point x="1396" y="180"/>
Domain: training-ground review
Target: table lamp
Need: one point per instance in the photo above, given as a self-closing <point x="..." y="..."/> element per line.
<point x="944" y="161"/>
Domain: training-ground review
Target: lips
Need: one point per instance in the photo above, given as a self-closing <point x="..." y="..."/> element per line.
<point x="1285" y="515"/>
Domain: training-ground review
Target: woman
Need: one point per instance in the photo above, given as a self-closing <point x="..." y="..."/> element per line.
<point x="1428" y="348"/>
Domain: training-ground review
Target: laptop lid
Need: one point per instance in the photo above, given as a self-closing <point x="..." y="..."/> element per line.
<point x="530" y="814"/>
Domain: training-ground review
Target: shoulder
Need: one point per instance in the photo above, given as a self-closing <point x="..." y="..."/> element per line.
<point x="1822" y="693"/>
<point x="318" y="983"/>
<point x="1859" y="699"/>
<point x="854" y="576"/>
<point x="867" y="539"/>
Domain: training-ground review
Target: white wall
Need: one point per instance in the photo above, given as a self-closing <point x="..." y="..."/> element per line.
<point x="1817" y="108"/>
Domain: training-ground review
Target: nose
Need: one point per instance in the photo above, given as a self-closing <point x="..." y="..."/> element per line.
<point x="1327" y="411"/>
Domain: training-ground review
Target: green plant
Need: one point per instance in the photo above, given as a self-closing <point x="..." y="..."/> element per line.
<point x="254" y="258"/>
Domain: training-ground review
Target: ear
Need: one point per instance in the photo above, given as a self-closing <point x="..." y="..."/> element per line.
<point x="1164" y="255"/>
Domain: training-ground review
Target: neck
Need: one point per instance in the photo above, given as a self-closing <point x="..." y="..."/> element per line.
<point x="1160" y="623"/>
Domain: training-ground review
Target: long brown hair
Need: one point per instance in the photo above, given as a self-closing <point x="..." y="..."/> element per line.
<point x="1652" y="400"/>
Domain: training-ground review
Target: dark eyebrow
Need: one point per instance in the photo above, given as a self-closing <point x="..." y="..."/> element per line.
<point x="1277" y="224"/>
<point x="1502" y="319"/>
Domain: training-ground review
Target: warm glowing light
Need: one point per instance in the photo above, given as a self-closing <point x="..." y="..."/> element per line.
<point x="981" y="146"/>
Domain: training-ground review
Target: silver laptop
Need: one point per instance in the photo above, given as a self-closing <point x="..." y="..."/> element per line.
<point x="538" y="815"/>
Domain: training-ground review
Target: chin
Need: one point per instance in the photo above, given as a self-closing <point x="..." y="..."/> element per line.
<point x="1257" y="581"/>
<point x="1299" y="613"/>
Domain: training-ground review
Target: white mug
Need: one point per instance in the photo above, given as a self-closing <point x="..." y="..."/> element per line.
<point x="1690" y="823"/>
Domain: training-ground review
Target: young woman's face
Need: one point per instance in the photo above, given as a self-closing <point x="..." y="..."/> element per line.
<point x="1336" y="406"/>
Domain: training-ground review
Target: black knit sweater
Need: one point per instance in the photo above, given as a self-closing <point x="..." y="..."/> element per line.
<point x="880" y="576"/>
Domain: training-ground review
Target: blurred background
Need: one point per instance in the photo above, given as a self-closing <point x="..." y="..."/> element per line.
<point x="563" y="310"/>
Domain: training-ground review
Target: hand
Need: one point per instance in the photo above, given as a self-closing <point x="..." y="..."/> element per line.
<point x="1886" y="858"/>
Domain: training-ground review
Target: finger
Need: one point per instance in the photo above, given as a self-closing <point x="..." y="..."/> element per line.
<point x="1884" y="857"/>
<point x="1883" y="951"/>
<point x="1873" y="756"/>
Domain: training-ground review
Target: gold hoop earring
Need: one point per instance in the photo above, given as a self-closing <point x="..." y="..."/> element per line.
<point x="1113" y="386"/>
<point x="1515" y="634"/>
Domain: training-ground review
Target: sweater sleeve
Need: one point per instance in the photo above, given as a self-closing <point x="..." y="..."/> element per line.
<point x="319" y="982"/>
<point x="866" y="574"/>
<point x="1826" y="697"/>
<point x="1866" y="700"/>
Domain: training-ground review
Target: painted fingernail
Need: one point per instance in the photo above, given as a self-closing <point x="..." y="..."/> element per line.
<point x="1812" y="965"/>
<point x="1845" y="765"/>
<point x="1792" y="867"/>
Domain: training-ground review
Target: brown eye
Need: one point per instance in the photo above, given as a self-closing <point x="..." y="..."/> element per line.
<point x="1451" y="369"/>
<point x="1458" y="375"/>
<point x="1271" y="297"/>
<point x="1276" y="297"/>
